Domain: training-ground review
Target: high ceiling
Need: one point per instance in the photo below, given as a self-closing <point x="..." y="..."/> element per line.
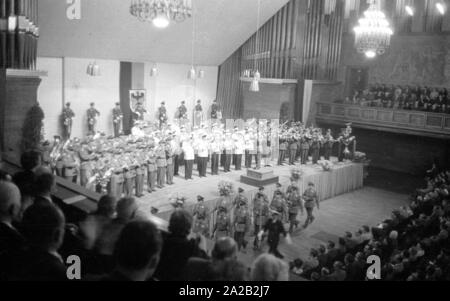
<point x="108" y="31"/>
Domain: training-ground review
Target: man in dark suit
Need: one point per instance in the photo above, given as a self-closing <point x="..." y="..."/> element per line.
<point x="199" y="269"/>
<point x="44" y="228"/>
<point x="136" y="252"/>
<point x="45" y="186"/>
<point x="10" y="238"/>
<point x="274" y="227"/>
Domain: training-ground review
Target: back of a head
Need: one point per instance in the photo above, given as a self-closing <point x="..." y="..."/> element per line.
<point x="9" y="199"/>
<point x="42" y="223"/>
<point x="180" y="223"/>
<point x="224" y="248"/>
<point x="138" y="243"/>
<point x="126" y="208"/>
<point x="106" y="206"/>
<point x="269" y="268"/>
<point x="30" y="160"/>
<point x="45" y="183"/>
<point x="230" y="270"/>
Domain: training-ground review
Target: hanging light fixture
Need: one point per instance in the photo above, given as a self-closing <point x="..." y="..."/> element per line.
<point x="93" y="69"/>
<point x="154" y="70"/>
<point x="441" y="8"/>
<point x="161" y="12"/>
<point x="192" y="74"/>
<point x="201" y="73"/>
<point x="373" y="33"/>
<point x="254" y="86"/>
<point x="409" y="10"/>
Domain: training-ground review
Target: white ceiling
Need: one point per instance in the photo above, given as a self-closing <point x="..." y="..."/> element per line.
<point x="108" y="31"/>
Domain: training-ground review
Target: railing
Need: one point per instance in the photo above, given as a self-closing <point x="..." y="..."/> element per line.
<point x="400" y="121"/>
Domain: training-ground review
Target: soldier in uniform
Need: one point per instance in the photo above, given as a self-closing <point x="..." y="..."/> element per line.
<point x="240" y="198"/>
<point x="170" y="162"/>
<point x="215" y="150"/>
<point x="279" y="190"/>
<point x="279" y="204"/>
<point x="161" y="164"/>
<point x="201" y="217"/>
<point x="311" y="199"/>
<point x="229" y="150"/>
<point x="68" y="115"/>
<point x="222" y="227"/>
<point x="274" y="228"/>
<point x="292" y="151"/>
<point x="198" y="114"/>
<point x="117" y="120"/>
<point x="328" y="145"/>
<point x="139" y="112"/>
<point x="162" y="115"/>
<point x="92" y="114"/>
<point x="86" y="157"/>
<point x="241" y="224"/>
<point x="294" y="202"/>
<point x="215" y="111"/>
<point x="182" y="111"/>
<point x="70" y="165"/>
<point x="292" y="186"/>
<point x="151" y="171"/>
<point x="282" y="148"/>
<point x="202" y="151"/>
<point x="315" y="148"/>
<point x="130" y="178"/>
<point x="117" y="181"/>
<point x="260" y="215"/>
<point x="239" y="151"/>
<point x="140" y="176"/>
<point x="305" y="146"/>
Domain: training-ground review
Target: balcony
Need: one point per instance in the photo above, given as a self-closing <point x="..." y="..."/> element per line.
<point x="390" y="120"/>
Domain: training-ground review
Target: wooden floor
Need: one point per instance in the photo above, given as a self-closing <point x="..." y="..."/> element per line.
<point x="349" y="212"/>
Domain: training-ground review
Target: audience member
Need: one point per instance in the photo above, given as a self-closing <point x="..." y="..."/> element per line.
<point x="269" y="268"/>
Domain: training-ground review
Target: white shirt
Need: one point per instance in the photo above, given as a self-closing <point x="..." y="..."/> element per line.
<point x="239" y="147"/>
<point x="188" y="151"/>
<point x="202" y="148"/>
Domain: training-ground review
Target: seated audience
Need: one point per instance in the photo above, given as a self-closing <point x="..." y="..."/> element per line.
<point x="10" y="238"/>
<point x="269" y="268"/>
<point x="178" y="248"/>
<point x="136" y="253"/>
<point x="45" y="187"/>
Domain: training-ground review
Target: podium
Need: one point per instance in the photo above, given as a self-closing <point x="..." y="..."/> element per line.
<point x="260" y="177"/>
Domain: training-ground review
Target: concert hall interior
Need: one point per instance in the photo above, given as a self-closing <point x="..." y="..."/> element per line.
<point x="245" y="140"/>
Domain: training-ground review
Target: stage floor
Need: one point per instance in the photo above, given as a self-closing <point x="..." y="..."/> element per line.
<point x="345" y="177"/>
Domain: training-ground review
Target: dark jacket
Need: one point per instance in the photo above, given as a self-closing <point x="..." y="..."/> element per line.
<point x="10" y="239"/>
<point x="175" y="254"/>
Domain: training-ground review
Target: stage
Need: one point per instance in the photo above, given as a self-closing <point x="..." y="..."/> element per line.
<point x="345" y="177"/>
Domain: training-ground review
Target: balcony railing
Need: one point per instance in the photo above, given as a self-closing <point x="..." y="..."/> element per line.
<point x="391" y="120"/>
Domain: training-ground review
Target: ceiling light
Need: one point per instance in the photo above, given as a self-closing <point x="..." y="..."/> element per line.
<point x="161" y="20"/>
<point x="371" y="54"/>
<point x="192" y="73"/>
<point x="441" y="8"/>
<point x="409" y="10"/>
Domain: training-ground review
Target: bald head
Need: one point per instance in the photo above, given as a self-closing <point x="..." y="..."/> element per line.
<point x="9" y="201"/>
<point x="225" y="248"/>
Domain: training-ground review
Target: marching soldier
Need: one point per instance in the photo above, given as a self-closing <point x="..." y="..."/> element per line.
<point x="92" y="114"/>
<point x="295" y="205"/>
<point x="161" y="164"/>
<point x="68" y="115"/>
<point x="279" y="190"/>
<point x="292" y="186"/>
<point x="260" y="215"/>
<point x="241" y="224"/>
<point x="240" y="198"/>
<point x="222" y="227"/>
<point x="201" y="217"/>
<point x="117" y="120"/>
<point x="311" y="199"/>
<point x="279" y="204"/>
<point x="274" y="228"/>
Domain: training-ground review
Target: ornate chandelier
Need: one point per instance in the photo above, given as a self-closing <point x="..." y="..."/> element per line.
<point x="373" y="34"/>
<point x="161" y="12"/>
